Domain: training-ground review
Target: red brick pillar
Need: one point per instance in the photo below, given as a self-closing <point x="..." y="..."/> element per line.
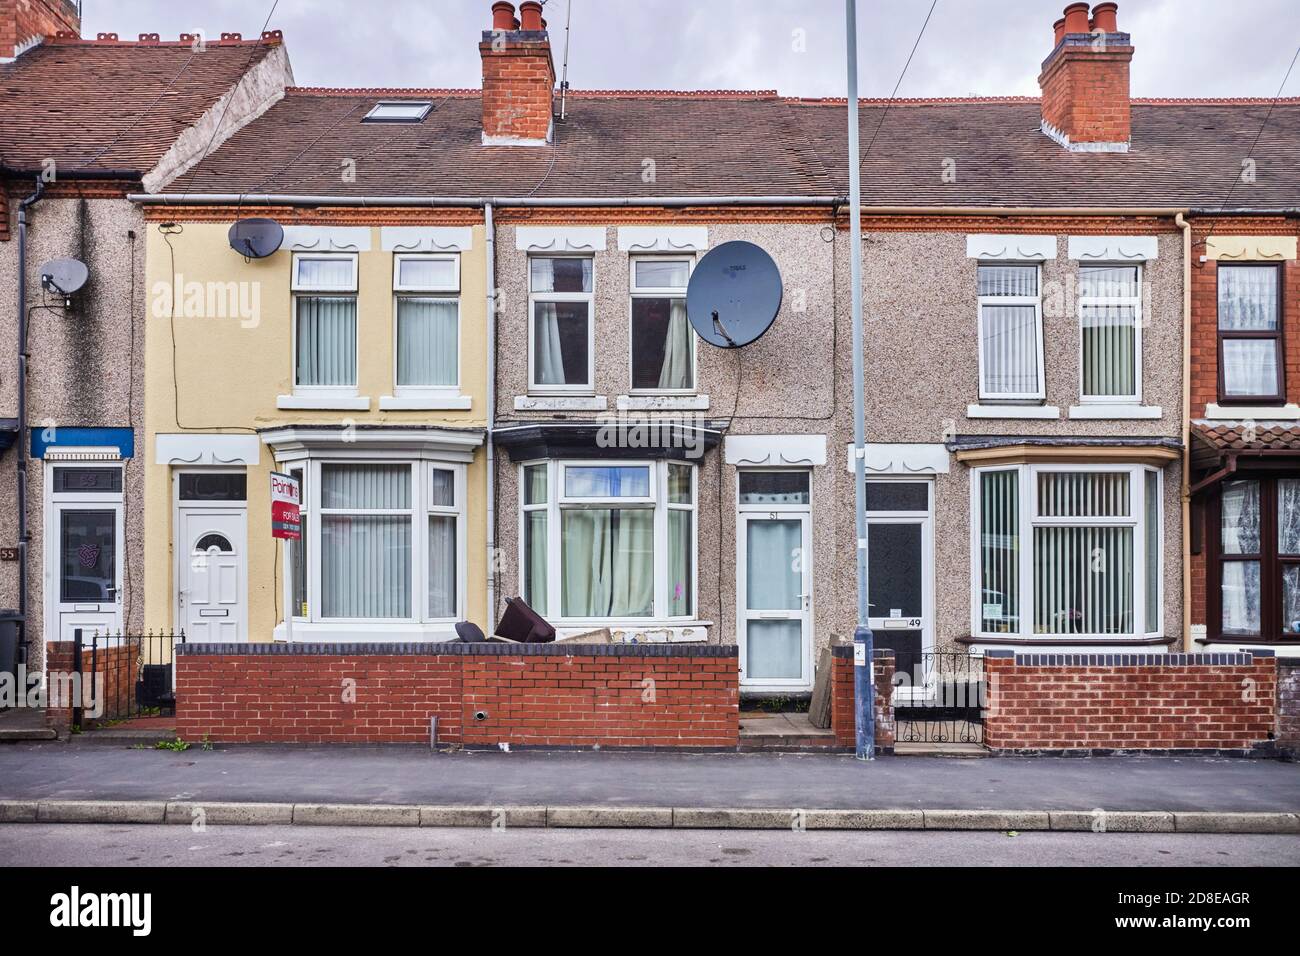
<point x="60" y="662"/>
<point x="998" y="698"/>
<point x="843" y="715"/>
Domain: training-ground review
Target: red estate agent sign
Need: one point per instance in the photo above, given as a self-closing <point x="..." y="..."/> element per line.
<point x="285" y="496"/>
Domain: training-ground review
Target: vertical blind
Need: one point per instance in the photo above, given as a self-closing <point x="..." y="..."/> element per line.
<point x="1000" y="552"/>
<point x="1009" y="332"/>
<point x="366" y="557"/>
<point x="1109" y="350"/>
<point x="327" y="340"/>
<point x="442" y="566"/>
<point x="426" y="341"/>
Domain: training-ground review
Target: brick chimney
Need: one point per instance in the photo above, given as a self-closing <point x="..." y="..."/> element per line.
<point x="518" y="77"/>
<point x="1085" y="81"/>
<point x="23" y="22"/>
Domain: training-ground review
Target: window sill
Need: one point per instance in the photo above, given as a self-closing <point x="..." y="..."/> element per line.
<point x="1288" y="412"/>
<point x="1116" y="412"/>
<point x="1211" y="645"/>
<point x="415" y="403"/>
<point x="364" y="632"/>
<point x="1013" y="411"/>
<point x="342" y="403"/>
<point x="643" y="631"/>
<point x="650" y="403"/>
<point x="561" y="403"/>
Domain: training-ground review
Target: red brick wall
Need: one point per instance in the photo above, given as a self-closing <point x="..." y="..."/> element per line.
<point x="1288" y="707"/>
<point x="118" y="667"/>
<point x="518" y="86"/>
<point x="1086" y="94"/>
<point x="843" y="711"/>
<point x="651" y="696"/>
<point x="1134" y="702"/>
<point x="20" y="20"/>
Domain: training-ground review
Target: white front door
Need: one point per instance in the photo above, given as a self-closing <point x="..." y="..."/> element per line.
<point x="775" y="600"/>
<point x="212" y="579"/>
<point x="84" y="539"/>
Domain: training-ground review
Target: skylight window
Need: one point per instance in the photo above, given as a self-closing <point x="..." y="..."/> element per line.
<point x="399" y="111"/>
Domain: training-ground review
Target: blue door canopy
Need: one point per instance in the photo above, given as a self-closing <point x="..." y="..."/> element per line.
<point x="43" y="439"/>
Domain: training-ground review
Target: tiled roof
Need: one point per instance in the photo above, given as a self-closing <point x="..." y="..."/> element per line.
<point x="1247" y="436"/>
<point x="112" y="104"/>
<point x="1184" y="153"/>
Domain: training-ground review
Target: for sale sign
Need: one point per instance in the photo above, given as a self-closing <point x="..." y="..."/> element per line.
<point x="286" y="495"/>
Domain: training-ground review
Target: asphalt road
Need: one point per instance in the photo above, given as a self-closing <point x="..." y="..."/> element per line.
<point x="413" y="775"/>
<point x="90" y="845"/>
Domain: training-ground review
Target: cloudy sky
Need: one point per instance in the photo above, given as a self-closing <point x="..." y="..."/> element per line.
<point x="982" y="47"/>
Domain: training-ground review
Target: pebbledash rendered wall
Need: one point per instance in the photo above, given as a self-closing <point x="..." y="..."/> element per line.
<point x="1223" y="703"/>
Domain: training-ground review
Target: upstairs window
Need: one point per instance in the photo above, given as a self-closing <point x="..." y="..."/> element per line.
<point x="663" y="347"/>
<point x="560" y="304"/>
<point x="1110" y="328"/>
<point x="325" y="321"/>
<point x="1250" y="334"/>
<point x="1011" y="333"/>
<point x="427" y="290"/>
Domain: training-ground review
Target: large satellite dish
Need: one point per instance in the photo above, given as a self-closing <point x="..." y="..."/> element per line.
<point x="256" y="238"/>
<point x="64" y="276"/>
<point x="734" y="295"/>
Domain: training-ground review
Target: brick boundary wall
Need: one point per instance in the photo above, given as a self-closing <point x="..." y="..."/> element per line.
<point x="117" y="665"/>
<point x="843" y="713"/>
<point x="483" y="695"/>
<point x="1288" y="708"/>
<point x="1105" y="703"/>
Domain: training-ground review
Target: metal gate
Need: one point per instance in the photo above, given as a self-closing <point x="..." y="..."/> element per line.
<point x="124" y="676"/>
<point x="939" y="697"/>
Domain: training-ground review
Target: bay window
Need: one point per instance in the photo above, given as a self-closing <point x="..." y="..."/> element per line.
<point x="1250" y="333"/>
<point x="325" y="321"/>
<point x="427" y="291"/>
<point x="663" y="346"/>
<point x="1010" y="333"/>
<point x="560" y="303"/>
<point x="606" y="542"/>
<point x="1067" y="551"/>
<point x="1110" y="327"/>
<point x="1253" y="538"/>
<point x="383" y="541"/>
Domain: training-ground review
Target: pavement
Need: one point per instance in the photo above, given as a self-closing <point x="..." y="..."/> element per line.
<point x="410" y="786"/>
<point x="106" y="845"/>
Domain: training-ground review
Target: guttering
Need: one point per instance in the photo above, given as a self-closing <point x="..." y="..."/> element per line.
<point x="1185" y="494"/>
<point x="132" y="175"/>
<point x="490" y="246"/>
<point x="273" y="199"/>
<point x="20" y="476"/>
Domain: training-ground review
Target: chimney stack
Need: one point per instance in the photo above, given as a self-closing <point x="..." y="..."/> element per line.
<point x="1085" y="81"/>
<point x="518" y="77"/>
<point x="23" y="22"/>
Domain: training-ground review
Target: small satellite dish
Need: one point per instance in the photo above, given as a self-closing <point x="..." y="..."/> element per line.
<point x="256" y="238"/>
<point x="64" y="276"/>
<point x="734" y="295"/>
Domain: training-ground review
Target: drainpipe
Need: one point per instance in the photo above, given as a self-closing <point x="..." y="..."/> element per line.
<point x="21" y="473"/>
<point x="489" y="230"/>
<point x="1185" y="489"/>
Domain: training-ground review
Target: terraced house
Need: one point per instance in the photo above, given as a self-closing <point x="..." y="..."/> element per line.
<point x="1026" y="291"/>
<point x="72" y="147"/>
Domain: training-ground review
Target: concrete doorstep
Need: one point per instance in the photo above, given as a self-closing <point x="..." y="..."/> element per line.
<point x="387" y="815"/>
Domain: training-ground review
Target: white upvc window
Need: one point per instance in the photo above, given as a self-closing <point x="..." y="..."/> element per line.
<point x="383" y="542"/>
<point x="561" y="350"/>
<point x="662" y="356"/>
<point x="1066" y="552"/>
<point x="608" y="542"/>
<point x="1010" y="332"/>
<point x="1110" y="333"/>
<point x="426" y="292"/>
<point x="324" y="290"/>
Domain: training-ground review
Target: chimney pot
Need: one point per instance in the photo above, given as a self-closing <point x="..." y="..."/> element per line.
<point x="530" y="13"/>
<point x="503" y="15"/>
<point x="1059" y="28"/>
<point x="1103" y="17"/>
<point x="1076" y="18"/>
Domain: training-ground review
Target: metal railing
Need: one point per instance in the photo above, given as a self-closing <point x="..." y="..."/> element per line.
<point x="939" y="697"/>
<point x="125" y="676"/>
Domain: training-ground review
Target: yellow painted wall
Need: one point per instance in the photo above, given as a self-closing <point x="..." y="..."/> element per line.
<point x="226" y="373"/>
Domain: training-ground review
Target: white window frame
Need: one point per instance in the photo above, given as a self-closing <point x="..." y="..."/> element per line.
<point x="1011" y="300"/>
<point x="421" y="508"/>
<point x="657" y="292"/>
<point x="533" y="299"/>
<point x="449" y="292"/>
<point x="557" y="502"/>
<point x="298" y="288"/>
<point x="1135" y="302"/>
<point x="1028" y="511"/>
<point x="417" y="110"/>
